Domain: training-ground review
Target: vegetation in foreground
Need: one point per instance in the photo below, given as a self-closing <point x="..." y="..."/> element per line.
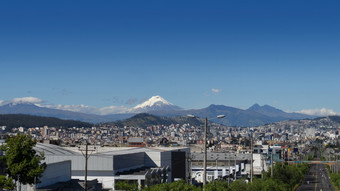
<point x="335" y="178"/>
<point x="22" y="163"/>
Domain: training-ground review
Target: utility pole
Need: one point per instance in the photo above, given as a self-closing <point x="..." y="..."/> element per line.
<point x="271" y="164"/>
<point x="205" y="148"/>
<point x="251" y="160"/>
<point x="190" y="168"/>
<point x="283" y="156"/>
<point x="229" y="159"/>
<point x="337" y="166"/>
<point x="229" y="169"/>
<point x="87" y="156"/>
<point x="235" y="168"/>
<point x="216" y="168"/>
<point x="205" y="153"/>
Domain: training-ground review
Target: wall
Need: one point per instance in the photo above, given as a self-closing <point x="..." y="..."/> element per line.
<point x="178" y="164"/>
<point x="153" y="159"/>
<point x="56" y="172"/>
<point x="128" y="161"/>
<point x="95" y="162"/>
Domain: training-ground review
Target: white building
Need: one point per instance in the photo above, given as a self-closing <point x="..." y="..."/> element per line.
<point x="259" y="165"/>
<point x="219" y="166"/>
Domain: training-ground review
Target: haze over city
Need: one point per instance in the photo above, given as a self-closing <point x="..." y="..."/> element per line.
<point x="116" y="54"/>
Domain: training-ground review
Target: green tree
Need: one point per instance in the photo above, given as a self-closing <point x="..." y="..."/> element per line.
<point x="239" y="185"/>
<point x="174" y="186"/>
<point x="126" y="185"/>
<point x="22" y="162"/>
<point x="216" y="186"/>
<point x="6" y="183"/>
<point x="267" y="184"/>
<point x="285" y="177"/>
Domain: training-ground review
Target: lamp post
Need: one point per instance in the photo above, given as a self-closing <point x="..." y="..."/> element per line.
<point x="216" y="168"/>
<point x="205" y="147"/>
<point x="229" y="169"/>
<point x="235" y="167"/>
<point x="205" y="153"/>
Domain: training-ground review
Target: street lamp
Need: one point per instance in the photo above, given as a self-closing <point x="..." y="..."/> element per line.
<point x="229" y="169"/>
<point x="205" y="146"/>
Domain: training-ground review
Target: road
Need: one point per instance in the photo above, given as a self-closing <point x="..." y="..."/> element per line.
<point x="316" y="179"/>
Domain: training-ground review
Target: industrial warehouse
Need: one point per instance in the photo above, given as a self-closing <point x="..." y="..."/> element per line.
<point x="107" y="165"/>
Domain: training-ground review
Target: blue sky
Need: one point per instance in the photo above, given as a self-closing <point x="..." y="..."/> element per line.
<point x="192" y="53"/>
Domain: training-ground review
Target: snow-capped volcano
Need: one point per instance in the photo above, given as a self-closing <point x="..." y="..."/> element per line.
<point x="155" y="103"/>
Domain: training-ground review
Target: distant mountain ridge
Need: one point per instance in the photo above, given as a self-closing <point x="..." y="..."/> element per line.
<point x="30" y="121"/>
<point x="254" y="116"/>
<point x="277" y="113"/>
<point x="32" y="109"/>
<point x="235" y="116"/>
<point x="144" y="120"/>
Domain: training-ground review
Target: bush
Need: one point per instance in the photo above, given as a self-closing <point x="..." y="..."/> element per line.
<point x="174" y="186"/>
<point x="216" y="186"/>
<point x="126" y="185"/>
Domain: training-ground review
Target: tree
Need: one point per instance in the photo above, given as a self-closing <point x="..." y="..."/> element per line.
<point x="126" y="185"/>
<point x="22" y="162"/>
<point x="216" y="186"/>
<point x="6" y="183"/>
<point x="239" y="185"/>
<point x="174" y="186"/>
<point x="267" y="184"/>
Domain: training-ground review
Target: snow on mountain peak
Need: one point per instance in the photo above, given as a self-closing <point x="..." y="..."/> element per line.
<point x="153" y="101"/>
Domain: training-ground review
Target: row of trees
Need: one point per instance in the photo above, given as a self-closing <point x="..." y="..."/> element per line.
<point x="335" y="178"/>
<point x="23" y="165"/>
<point x="285" y="177"/>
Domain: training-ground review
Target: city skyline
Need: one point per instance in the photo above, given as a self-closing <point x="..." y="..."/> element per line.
<point x="193" y="53"/>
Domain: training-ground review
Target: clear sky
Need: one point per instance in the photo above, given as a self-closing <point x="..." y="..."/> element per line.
<point x="193" y="53"/>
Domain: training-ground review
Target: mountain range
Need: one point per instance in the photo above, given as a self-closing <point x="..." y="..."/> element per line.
<point x="144" y="120"/>
<point x="158" y="106"/>
<point x="29" y="121"/>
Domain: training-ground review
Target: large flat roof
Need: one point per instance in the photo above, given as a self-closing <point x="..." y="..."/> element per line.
<point x="50" y="149"/>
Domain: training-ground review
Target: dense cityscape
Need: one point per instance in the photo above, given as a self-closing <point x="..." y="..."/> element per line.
<point x="294" y="131"/>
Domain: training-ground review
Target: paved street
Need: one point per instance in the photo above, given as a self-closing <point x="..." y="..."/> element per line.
<point x="316" y="179"/>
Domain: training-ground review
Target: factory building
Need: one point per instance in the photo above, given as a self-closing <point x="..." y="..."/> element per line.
<point x="147" y="166"/>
